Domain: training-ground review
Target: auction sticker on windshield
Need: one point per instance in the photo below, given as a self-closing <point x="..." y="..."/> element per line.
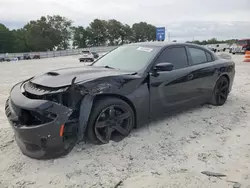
<point x="144" y="49"/>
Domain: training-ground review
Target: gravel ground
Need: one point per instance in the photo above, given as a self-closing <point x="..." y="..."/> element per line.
<point x="169" y="153"/>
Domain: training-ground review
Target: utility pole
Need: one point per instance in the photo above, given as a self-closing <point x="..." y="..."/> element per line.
<point x="98" y="37"/>
<point x="168" y="36"/>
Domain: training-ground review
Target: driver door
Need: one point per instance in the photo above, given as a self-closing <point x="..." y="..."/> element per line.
<point x="170" y="89"/>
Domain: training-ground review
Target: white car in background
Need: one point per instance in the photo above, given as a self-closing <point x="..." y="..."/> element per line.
<point x="86" y="56"/>
<point x="232" y="48"/>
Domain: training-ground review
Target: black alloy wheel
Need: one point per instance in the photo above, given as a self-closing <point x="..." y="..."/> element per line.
<point x="221" y="91"/>
<point x="110" y="117"/>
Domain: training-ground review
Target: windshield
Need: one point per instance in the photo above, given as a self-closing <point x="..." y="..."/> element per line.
<point x="85" y="52"/>
<point x="131" y="58"/>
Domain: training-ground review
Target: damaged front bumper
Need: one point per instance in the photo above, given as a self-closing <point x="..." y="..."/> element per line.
<point x="37" y="137"/>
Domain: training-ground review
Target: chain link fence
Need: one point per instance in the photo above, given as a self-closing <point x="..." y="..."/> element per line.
<point x="50" y="54"/>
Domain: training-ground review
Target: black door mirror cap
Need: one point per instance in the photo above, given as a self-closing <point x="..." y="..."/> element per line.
<point x="166" y="66"/>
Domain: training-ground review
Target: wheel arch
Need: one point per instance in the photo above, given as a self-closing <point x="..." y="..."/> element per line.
<point x="222" y="75"/>
<point x="226" y="76"/>
<point x="125" y="99"/>
<point x="213" y="100"/>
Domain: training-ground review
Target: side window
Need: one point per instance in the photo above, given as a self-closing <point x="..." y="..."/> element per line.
<point x="209" y="57"/>
<point x="176" y="55"/>
<point x="198" y="56"/>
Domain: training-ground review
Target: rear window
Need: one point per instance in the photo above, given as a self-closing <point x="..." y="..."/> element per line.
<point x="198" y="56"/>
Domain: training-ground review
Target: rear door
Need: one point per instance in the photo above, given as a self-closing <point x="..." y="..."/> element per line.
<point x="203" y="66"/>
<point x="169" y="90"/>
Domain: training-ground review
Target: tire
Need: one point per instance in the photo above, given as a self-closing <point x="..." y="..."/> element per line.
<point x="93" y="133"/>
<point x="220" y="92"/>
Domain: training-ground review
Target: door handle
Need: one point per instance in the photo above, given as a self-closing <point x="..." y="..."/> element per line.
<point x="190" y="76"/>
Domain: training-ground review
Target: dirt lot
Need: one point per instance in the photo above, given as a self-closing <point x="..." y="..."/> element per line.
<point x="170" y="153"/>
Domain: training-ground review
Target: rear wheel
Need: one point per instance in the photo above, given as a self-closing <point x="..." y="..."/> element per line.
<point x="110" y="117"/>
<point x="220" y="92"/>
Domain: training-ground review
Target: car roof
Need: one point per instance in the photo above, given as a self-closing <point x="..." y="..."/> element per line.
<point x="164" y="44"/>
<point x="159" y="44"/>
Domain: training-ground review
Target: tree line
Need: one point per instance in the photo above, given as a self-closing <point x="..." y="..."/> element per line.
<point x="213" y="41"/>
<point x="56" y="32"/>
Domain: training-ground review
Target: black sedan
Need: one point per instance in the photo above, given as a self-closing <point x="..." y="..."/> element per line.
<point x="122" y="90"/>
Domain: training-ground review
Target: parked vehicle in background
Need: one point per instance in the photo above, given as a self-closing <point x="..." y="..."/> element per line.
<point x="232" y="48"/>
<point x="124" y="89"/>
<point x="86" y="56"/>
<point x="26" y="56"/>
<point x="8" y="59"/>
<point x="210" y="48"/>
<point x="242" y="46"/>
<point x="221" y="47"/>
<point x="95" y="55"/>
<point x="5" y="59"/>
<point x="36" y="57"/>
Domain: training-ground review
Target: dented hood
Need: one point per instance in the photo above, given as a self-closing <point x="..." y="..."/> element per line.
<point x="63" y="77"/>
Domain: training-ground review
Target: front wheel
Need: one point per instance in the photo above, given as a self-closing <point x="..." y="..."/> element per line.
<point x="110" y="117"/>
<point x="220" y="92"/>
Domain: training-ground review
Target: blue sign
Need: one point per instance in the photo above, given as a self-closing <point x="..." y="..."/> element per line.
<point x="160" y="33"/>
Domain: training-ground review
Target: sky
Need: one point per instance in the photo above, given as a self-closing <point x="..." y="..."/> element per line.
<point x="183" y="19"/>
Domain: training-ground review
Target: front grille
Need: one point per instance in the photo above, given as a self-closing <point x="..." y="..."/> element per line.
<point x="63" y="96"/>
<point x="57" y="95"/>
<point x="60" y="98"/>
<point x="42" y="90"/>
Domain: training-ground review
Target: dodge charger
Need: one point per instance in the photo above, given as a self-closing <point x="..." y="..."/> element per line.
<point x="124" y="89"/>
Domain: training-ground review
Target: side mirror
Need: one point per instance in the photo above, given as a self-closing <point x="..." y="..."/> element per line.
<point x="164" y="67"/>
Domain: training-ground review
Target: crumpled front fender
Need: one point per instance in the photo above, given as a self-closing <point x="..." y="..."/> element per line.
<point x="85" y="109"/>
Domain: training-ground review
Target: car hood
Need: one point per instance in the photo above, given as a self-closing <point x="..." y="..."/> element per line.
<point x="63" y="77"/>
